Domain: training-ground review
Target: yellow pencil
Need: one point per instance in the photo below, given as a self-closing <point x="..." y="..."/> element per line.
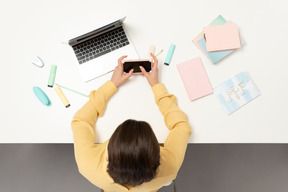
<point x="159" y="53"/>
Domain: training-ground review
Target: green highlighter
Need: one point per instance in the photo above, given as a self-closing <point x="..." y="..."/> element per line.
<point x="52" y="75"/>
<point x="169" y="54"/>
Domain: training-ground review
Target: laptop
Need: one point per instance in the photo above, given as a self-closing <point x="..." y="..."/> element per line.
<point x="98" y="51"/>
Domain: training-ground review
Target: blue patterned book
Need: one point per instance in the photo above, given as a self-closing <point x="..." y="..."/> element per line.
<point x="236" y="92"/>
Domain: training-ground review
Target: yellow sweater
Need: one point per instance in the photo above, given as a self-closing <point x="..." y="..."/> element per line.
<point x="91" y="157"/>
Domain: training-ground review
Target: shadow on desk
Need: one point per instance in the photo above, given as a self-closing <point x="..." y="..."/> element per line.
<point x="207" y="167"/>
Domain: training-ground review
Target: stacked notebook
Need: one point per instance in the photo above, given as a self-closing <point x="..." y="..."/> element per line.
<point x="219" y="39"/>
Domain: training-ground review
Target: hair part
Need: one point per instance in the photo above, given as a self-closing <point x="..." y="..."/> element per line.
<point x="133" y="153"/>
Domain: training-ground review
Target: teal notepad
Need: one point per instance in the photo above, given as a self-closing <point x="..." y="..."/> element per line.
<point x="218" y="21"/>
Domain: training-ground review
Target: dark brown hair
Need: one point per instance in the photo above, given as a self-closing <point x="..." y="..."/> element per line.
<point x="133" y="153"/>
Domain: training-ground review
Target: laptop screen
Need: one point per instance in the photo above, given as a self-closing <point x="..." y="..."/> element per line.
<point x="88" y="35"/>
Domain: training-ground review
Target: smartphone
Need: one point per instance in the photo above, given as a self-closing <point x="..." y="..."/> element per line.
<point x="134" y="64"/>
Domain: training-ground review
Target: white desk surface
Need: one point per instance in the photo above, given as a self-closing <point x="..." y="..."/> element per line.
<point x="32" y="27"/>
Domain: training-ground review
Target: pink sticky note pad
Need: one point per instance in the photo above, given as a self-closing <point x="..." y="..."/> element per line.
<point x="222" y="37"/>
<point x="195" y="78"/>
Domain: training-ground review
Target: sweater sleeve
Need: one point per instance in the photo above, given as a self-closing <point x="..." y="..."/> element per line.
<point x="176" y="121"/>
<point x="84" y="121"/>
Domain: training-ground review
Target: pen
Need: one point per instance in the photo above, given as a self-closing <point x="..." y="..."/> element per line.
<point x="72" y="90"/>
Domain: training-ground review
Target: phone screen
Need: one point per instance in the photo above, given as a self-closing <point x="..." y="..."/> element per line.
<point x="128" y="65"/>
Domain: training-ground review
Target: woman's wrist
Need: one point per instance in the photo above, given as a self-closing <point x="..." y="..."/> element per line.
<point x="115" y="83"/>
<point x="154" y="83"/>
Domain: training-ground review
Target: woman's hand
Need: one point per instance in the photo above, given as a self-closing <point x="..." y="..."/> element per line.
<point x="119" y="77"/>
<point x="152" y="77"/>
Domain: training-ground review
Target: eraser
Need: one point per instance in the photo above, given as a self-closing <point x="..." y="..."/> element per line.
<point x="41" y="96"/>
<point x="52" y="75"/>
<point x="169" y="54"/>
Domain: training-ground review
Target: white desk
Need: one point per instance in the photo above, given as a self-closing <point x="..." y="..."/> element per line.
<point x="30" y="28"/>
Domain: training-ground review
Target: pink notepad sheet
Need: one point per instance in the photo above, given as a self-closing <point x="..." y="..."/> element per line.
<point x="222" y="37"/>
<point x="195" y="78"/>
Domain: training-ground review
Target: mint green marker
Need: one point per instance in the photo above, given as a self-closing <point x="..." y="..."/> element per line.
<point x="169" y="54"/>
<point x="52" y="75"/>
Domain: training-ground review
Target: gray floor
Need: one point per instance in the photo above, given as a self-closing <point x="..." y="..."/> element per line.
<point x="207" y="167"/>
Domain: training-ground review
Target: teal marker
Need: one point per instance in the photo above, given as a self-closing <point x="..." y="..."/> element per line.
<point x="169" y="54"/>
<point x="52" y="75"/>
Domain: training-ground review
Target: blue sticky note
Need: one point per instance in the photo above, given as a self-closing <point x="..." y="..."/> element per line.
<point x="214" y="56"/>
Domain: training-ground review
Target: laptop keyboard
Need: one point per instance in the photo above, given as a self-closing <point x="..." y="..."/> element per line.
<point x="100" y="45"/>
